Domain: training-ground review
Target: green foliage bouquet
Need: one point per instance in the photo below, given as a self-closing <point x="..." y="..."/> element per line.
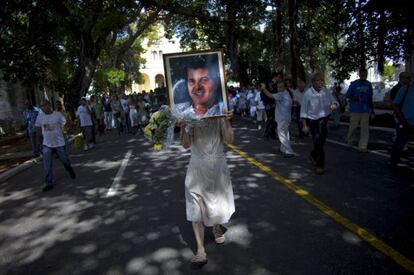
<point x="160" y="129"/>
<point x="78" y="142"/>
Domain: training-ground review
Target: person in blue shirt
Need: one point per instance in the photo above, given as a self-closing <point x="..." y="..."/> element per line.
<point x="404" y="111"/>
<point x="29" y="118"/>
<point x="361" y="106"/>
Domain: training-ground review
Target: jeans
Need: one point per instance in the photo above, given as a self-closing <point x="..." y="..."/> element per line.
<point x="35" y="146"/>
<point x="298" y="121"/>
<point x="87" y="134"/>
<point x="336" y="117"/>
<point x="48" y="162"/>
<point x="108" y="120"/>
<point x="319" y="131"/>
<point x="403" y="136"/>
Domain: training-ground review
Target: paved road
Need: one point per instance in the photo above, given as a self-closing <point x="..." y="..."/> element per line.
<point x="125" y="213"/>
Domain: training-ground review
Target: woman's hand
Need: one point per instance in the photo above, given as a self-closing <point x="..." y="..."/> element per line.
<point x="180" y="123"/>
<point x="229" y="114"/>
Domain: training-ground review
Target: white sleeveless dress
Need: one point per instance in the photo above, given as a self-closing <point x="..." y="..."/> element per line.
<point x="208" y="189"/>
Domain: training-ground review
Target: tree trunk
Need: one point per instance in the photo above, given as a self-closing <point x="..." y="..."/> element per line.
<point x="361" y="39"/>
<point x="88" y="56"/>
<point x="232" y="46"/>
<point x="409" y="60"/>
<point x="277" y="31"/>
<point x="294" y="47"/>
<point x="381" y="42"/>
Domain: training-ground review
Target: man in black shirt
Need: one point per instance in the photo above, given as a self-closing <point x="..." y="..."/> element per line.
<point x="270" y="128"/>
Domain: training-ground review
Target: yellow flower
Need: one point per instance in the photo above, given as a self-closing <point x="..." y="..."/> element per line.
<point x="157" y="147"/>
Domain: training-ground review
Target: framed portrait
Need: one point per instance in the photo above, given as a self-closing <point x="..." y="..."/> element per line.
<point x="196" y="83"/>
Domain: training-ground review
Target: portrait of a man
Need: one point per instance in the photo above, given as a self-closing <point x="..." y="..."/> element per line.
<point x="196" y="83"/>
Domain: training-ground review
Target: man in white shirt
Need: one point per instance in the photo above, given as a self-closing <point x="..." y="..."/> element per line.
<point x="317" y="104"/>
<point x="85" y="118"/>
<point x="49" y="125"/>
<point x="261" y="109"/>
<point x="283" y="116"/>
<point x="251" y="96"/>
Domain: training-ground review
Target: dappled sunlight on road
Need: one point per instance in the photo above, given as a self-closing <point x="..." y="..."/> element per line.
<point x="142" y="228"/>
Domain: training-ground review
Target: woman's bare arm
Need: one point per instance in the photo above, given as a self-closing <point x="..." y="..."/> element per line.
<point x="228" y="129"/>
<point x="184" y="137"/>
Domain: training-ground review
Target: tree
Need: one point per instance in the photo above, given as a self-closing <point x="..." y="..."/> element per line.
<point x="60" y="41"/>
<point x="388" y="72"/>
<point x="215" y="24"/>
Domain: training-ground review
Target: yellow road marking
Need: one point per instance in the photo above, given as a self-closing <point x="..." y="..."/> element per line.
<point x="361" y="232"/>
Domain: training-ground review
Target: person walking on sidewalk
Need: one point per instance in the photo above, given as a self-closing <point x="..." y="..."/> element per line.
<point x="270" y="126"/>
<point x="49" y="124"/>
<point x="261" y="109"/>
<point x="404" y="111"/>
<point x="283" y="116"/>
<point x="98" y="110"/>
<point x="208" y="189"/>
<point x="360" y="94"/>
<point x="85" y="117"/>
<point x="317" y="104"/>
<point x="29" y="117"/>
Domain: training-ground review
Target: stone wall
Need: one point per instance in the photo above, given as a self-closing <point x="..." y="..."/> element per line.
<point x="12" y="98"/>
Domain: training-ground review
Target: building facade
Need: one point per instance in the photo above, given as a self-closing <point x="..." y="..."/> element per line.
<point x="153" y="74"/>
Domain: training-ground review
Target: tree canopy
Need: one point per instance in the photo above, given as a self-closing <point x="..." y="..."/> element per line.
<point x="69" y="44"/>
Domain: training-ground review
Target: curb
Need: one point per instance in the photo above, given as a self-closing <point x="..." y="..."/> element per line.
<point x="19" y="168"/>
<point x="25" y="165"/>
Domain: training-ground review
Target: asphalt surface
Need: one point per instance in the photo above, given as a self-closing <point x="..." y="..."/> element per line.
<point x="137" y="225"/>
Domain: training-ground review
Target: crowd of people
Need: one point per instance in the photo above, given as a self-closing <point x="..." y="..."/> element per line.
<point x="48" y="126"/>
<point x="276" y="105"/>
<point x="273" y="106"/>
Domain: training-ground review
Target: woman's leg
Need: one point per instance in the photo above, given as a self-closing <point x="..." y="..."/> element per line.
<point x="218" y="234"/>
<point x="198" y="228"/>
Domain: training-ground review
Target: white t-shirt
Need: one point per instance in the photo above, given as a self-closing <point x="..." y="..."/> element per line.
<point x="51" y="128"/>
<point x="258" y="98"/>
<point x="84" y="116"/>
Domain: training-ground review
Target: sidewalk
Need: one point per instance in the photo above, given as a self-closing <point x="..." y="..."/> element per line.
<point x="14" y="151"/>
<point x="16" y="155"/>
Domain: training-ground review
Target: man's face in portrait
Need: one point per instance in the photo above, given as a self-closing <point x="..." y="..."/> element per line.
<point x="201" y="88"/>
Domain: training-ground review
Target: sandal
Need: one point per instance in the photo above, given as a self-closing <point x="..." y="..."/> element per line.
<point x="218" y="235"/>
<point x="198" y="260"/>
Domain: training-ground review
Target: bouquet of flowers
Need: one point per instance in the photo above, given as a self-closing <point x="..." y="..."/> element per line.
<point x="78" y="142"/>
<point x="160" y="129"/>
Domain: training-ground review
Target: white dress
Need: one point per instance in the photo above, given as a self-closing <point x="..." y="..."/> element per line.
<point x="208" y="189"/>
